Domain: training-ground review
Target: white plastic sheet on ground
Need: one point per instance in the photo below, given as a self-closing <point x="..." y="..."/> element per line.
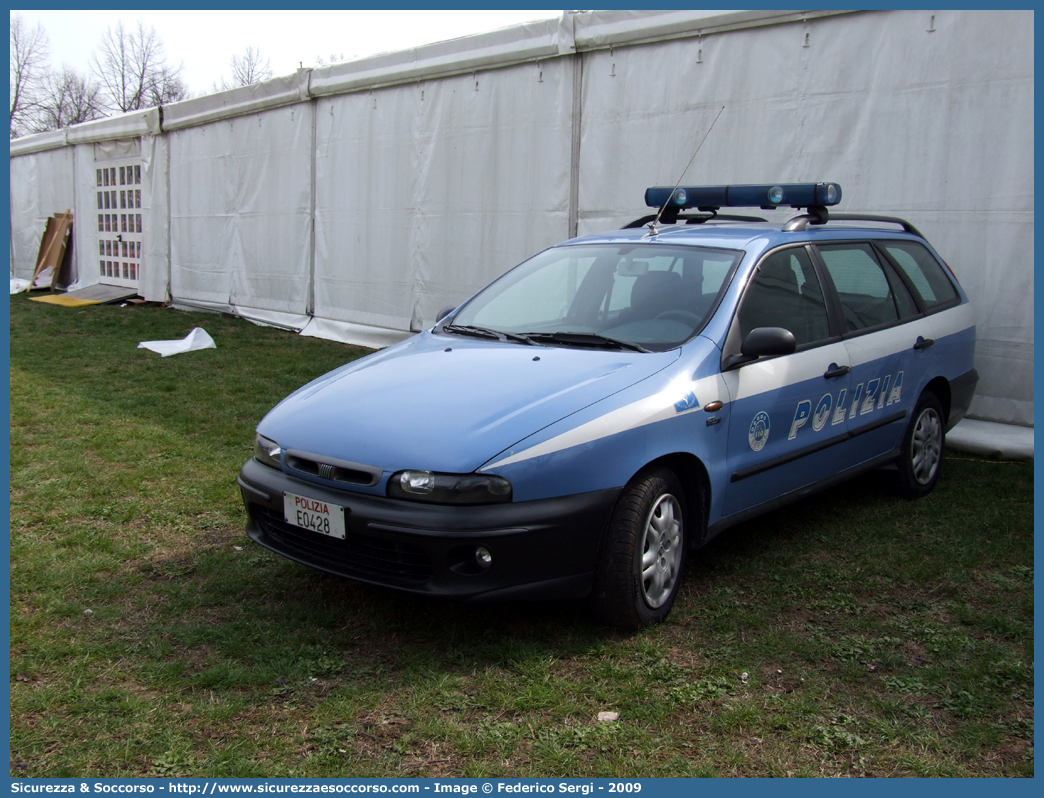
<point x="197" y="339"/>
<point x="989" y="439"/>
<point x="43" y="280"/>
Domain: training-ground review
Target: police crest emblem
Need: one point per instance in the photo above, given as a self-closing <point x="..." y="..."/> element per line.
<point x="758" y="433"/>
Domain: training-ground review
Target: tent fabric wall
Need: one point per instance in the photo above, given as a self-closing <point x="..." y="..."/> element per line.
<point x="240" y="213"/>
<point x="355" y="201"/>
<point x="41" y="185"/>
<point x="906" y="120"/>
<point x="155" y="168"/>
<point x="425" y="192"/>
<point x="85" y="210"/>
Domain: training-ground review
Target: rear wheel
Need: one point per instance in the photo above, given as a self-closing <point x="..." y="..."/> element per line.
<point x="640" y="563"/>
<point x="922" y="449"/>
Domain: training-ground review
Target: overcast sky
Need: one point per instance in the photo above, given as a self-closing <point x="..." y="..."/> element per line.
<point x="205" y="41"/>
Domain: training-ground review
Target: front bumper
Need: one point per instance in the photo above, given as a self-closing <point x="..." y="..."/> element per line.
<point x="540" y="549"/>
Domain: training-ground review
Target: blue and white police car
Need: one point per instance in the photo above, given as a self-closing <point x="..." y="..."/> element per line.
<point x="616" y="401"/>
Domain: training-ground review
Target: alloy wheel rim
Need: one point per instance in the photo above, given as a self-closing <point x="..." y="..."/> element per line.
<point x="926" y="446"/>
<point x="661" y="551"/>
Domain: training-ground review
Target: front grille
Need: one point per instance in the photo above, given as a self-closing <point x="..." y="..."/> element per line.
<point x="365" y="557"/>
<point x="332" y="472"/>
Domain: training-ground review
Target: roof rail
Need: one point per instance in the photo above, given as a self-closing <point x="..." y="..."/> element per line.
<point x="820" y="215"/>
<point x="694" y="218"/>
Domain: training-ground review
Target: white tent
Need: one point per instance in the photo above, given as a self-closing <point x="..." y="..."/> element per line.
<point x="355" y="201"/>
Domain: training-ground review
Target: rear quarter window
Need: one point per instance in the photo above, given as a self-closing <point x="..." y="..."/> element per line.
<point x="924" y="271"/>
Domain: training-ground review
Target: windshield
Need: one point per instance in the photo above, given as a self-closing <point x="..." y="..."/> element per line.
<point x="644" y="296"/>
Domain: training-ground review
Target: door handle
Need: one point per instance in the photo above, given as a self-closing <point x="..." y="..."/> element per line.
<point x="923" y="343"/>
<point x="836" y="371"/>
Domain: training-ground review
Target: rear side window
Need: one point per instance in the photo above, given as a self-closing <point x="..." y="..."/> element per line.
<point x="924" y="271"/>
<point x="865" y="293"/>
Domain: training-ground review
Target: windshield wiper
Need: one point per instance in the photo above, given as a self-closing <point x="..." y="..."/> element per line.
<point x="586" y="339"/>
<point x="466" y="329"/>
<point x="482" y="332"/>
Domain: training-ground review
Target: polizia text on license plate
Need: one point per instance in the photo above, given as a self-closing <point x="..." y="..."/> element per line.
<point x="314" y="514"/>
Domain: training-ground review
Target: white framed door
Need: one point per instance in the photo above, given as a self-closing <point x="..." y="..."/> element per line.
<point x="119" y="222"/>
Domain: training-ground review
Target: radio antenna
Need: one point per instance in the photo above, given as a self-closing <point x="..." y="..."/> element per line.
<point x="652" y="224"/>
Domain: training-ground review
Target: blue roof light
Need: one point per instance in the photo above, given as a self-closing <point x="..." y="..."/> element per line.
<point x="796" y="195"/>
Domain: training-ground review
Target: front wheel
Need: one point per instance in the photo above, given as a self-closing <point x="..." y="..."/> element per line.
<point x="922" y="448"/>
<point x="639" y="565"/>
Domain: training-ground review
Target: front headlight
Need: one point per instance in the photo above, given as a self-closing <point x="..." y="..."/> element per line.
<point x="434" y="488"/>
<point x="268" y="452"/>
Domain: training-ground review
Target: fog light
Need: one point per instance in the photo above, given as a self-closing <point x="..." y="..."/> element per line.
<point x="483" y="557"/>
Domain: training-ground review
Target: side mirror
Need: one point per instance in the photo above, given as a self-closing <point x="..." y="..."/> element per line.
<point x="444" y="313"/>
<point x="761" y="341"/>
<point x="768" y="341"/>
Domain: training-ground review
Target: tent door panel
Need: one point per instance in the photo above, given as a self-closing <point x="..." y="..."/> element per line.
<point x="119" y="222"/>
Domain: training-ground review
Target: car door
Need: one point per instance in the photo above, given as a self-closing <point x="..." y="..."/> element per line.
<point x="936" y="345"/>
<point x="885" y="334"/>
<point x="785" y="429"/>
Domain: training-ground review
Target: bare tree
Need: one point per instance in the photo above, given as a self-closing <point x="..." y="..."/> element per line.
<point x="132" y="70"/>
<point x="334" y="58"/>
<point x="29" y="54"/>
<point x="68" y="99"/>
<point x="169" y="88"/>
<point x="247" y="69"/>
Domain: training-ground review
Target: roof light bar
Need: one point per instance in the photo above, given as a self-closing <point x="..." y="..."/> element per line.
<point x="796" y="195"/>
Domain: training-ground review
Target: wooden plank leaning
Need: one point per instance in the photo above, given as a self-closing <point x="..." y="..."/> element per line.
<point x="52" y="247"/>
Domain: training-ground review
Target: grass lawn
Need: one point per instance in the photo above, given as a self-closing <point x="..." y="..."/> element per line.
<point x="850" y="634"/>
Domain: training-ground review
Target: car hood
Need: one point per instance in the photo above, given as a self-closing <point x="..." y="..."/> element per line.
<point x="448" y="403"/>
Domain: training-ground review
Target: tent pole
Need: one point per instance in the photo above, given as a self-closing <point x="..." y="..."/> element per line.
<point x="574" y="150"/>
<point x="310" y="297"/>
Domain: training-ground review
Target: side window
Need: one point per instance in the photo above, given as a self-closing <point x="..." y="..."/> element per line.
<point x="903" y="298"/>
<point x="924" y="271"/>
<point x="865" y="294"/>
<point x="785" y="292"/>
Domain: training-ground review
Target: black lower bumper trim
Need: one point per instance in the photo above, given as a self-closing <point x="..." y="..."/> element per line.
<point x="358" y="555"/>
<point x="962" y="391"/>
<point x="540" y="549"/>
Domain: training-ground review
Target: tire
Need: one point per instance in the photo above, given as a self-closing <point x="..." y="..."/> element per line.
<point x="641" y="558"/>
<point x="921" y="453"/>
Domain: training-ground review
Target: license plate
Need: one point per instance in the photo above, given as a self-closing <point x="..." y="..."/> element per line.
<point x="314" y="514"/>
